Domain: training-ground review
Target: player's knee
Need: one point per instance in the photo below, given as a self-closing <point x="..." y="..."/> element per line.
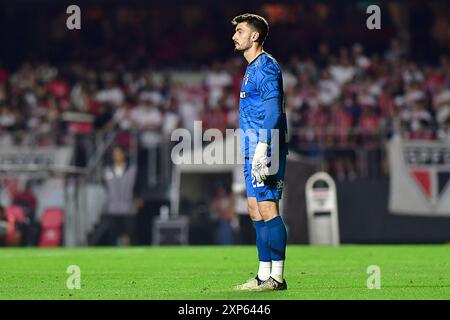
<point x="269" y="215"/>
<point x="268" y="210"/>
<point x="253" y="211"/>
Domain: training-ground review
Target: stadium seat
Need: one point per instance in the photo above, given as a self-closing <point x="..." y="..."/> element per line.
<point x="14" y="215"/>
<point x="11" y="237"/>
<point x="51" y="223"/>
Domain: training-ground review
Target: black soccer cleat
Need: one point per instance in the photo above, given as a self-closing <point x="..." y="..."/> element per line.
<point x="271" y="285"/>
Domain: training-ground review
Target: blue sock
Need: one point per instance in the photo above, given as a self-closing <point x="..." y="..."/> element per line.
<point x="277" y="238"/>
<point x="262" y="240"/>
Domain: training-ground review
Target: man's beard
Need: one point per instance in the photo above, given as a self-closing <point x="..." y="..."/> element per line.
<point x="239" y="50"/>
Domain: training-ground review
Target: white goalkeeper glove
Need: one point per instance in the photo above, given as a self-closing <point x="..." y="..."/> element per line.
<point x="259" y="164"/>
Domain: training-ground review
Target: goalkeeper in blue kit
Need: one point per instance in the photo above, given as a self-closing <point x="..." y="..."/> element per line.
<point x="263" y="129"/>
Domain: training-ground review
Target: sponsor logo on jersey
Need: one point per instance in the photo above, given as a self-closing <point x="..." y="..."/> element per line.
<point x="280" y="184"/>
<point x="246" y="78"/>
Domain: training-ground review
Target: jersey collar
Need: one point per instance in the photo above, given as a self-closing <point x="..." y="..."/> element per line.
<point x="256" y="58"/>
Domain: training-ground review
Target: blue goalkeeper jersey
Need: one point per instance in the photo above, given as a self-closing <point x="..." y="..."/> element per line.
<point x="261" y="106"/>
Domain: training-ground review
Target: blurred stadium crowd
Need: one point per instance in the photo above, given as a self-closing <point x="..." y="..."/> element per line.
<point x="346" y="87"/>
<point x="335" y="100"/>
<point x="142" y="72"/>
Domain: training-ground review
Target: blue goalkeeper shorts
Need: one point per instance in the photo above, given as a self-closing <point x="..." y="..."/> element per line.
<point x="271" y="188"/>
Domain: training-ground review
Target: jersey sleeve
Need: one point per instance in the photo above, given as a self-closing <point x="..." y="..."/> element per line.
<point x="269" y="82"/>
<point x="271" y="96"/>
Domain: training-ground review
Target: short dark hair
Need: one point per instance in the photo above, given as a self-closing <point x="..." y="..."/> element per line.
<point x="257" y="22"/>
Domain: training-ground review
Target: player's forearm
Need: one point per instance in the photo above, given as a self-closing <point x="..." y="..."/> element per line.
<point x="271" y="119"/>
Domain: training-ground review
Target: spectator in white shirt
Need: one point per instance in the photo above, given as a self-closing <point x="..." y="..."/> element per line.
<point x="123" y="115"/>
<point x="148" y="119"/>
<point x="329" y="89"/>
<point x="112" y="94"/>
<point x="216" y="80"/>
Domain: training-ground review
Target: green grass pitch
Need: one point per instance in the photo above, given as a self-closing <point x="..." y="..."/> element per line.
<point x="210" y="272"/>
